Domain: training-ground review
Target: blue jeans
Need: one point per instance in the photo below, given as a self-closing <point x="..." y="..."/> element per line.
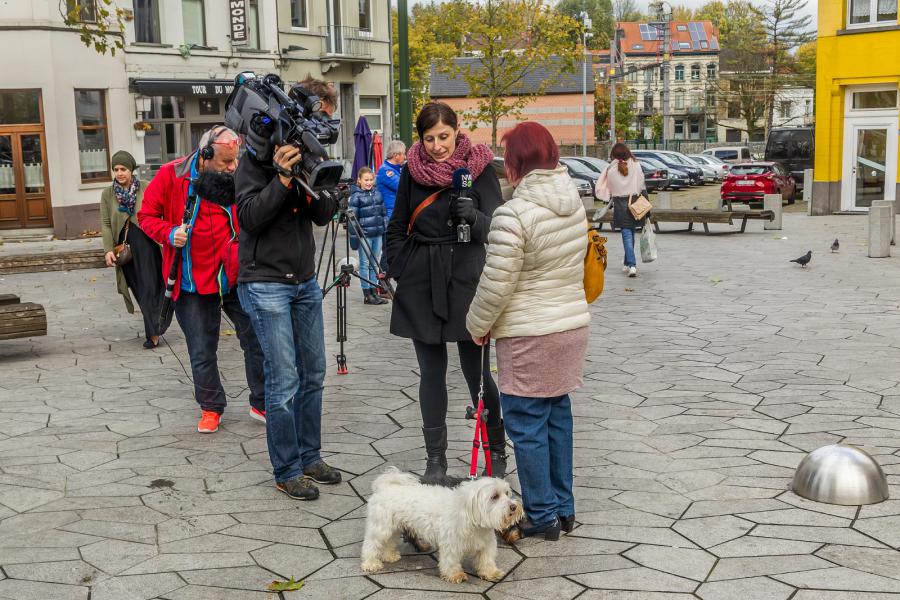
<point x="628" y="242"/>
<point x="288" y="322"/>
<point x="541" y="433"/>
<point x="200" y="316"/>
<point x="366" y="270"/>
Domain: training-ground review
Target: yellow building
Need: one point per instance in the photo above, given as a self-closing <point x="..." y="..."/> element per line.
<point x="857" y="90"/>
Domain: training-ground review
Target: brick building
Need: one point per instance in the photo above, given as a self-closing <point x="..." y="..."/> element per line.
<point x="560" y="109"/>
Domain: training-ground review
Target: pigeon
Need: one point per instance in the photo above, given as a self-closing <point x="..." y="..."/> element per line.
<point x="803" y="260"/>
<point x="836" y="245"/>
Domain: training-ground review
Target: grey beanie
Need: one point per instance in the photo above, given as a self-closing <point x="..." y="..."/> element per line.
<point x="125" y="159"/>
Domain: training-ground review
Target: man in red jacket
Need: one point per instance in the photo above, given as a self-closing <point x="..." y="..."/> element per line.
<point x="206" y="279"/>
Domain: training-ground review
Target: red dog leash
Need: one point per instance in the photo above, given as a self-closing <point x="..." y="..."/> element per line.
<point x="480" y="439"/>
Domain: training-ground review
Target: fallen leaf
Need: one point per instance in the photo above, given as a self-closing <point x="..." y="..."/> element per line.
<point x="285" y="586"/>
<point x="629" y="289"/>
<point x="227" y="332"/>
<point x="93" y="280"/>
<point x="493" y="368"/>
<point x="715" y="280"/>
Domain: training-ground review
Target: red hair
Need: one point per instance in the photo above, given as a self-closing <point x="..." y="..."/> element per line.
<point x="528" y="146"/>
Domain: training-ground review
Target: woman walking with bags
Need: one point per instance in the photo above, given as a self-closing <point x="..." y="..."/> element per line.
<point x="135" y="256"/>
<point x="436" y="274"/>
<point x="531" y="299"/>
<point x="622" y="183"/>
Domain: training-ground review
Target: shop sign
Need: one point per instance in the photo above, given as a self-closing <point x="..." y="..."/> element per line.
<point x="238" y="9"/>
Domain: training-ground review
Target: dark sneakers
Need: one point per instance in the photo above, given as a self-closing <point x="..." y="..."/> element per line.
<point x="322" y="473"/>
<point x="299" y="488"/>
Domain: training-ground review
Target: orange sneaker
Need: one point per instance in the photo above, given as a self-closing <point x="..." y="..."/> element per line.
<point x="209" y="422"/>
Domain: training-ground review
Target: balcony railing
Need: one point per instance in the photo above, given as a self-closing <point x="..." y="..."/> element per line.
<point x="345" y="42"/>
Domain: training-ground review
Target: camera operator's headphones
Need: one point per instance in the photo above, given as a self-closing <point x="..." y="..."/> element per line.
<point x="207" y="152"/>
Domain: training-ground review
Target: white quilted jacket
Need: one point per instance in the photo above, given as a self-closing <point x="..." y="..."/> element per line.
<point x="533" y="280"/>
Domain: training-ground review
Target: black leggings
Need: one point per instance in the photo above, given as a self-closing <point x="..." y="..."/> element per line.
<point x="433" y="381"/>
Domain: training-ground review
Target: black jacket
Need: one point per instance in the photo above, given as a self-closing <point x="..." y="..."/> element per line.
<point x="436" y="276"/>
<point x="276" y="239"/>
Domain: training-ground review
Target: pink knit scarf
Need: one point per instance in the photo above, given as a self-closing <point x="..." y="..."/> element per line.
<point x="427" y="172"/>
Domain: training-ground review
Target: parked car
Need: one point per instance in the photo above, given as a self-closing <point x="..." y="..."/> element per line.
<point x="719" y="166"/>
<point x="584" y="178"/>
<point x="793" y="147"/>
<point x="730" y="154"/>
<point x="676" y="179"/>
<point x="750" y="181"/>
<point x="695" y="174"/>
<point x="597" y="164"/>
<point x="707" y="174"/>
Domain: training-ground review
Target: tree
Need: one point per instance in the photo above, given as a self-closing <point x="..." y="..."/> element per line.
<point x="626" y="101"/>
<point x="627" y="10"/>
<point x="682" y="13"/>
<point x="601" y="15"/>
<point x="804" y="63"/>
<point x="785" y="30"/>
<point x="510" y="40"/>
<point x="435" y="33"/>
<point x="99" y="23"/>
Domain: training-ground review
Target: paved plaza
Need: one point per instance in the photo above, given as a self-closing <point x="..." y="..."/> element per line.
<point x="708" y="378"/>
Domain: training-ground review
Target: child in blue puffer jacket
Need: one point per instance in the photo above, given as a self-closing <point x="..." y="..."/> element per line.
<point x="368" y="206"/>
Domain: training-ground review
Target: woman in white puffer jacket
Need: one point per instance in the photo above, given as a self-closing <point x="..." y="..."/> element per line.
<point x="530" y="298"/>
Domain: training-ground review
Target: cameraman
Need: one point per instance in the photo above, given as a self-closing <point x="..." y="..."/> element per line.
<point x="278" y="288"/>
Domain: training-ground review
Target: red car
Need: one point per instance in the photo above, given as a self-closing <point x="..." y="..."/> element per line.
<point x="750" y="181"/>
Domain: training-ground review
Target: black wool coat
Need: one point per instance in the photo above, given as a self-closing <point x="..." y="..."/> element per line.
<point x="436" y="276"/>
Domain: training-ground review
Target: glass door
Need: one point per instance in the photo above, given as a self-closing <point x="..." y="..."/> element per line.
<point x="335" y="40"/>
<point x="869" y="168"/>
<point x="9" y="211"/>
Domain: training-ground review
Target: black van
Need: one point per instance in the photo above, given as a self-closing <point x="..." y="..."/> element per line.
<point x="793" y="147"/>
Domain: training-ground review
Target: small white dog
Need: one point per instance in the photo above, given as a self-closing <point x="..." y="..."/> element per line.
<point x="460" y="521"/>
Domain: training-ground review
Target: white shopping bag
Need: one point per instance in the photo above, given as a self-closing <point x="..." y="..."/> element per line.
<point x="648" y="243"/>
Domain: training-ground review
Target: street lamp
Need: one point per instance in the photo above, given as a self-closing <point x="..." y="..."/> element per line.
<point x="585" y="34"/>
<point x="662" y="23"/>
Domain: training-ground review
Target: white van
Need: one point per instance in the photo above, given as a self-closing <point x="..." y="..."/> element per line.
<point x="730" y="154"/>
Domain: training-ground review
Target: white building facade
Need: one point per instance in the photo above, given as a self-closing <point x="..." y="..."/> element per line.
<point x="65" y="109"/>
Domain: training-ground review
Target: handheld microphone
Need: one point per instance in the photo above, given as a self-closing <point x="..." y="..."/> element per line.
<point x="462" y="184"/>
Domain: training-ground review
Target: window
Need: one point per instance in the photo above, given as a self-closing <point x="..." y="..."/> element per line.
<point x="166" y="140"/>
<point x="146" y="21"/>
<point x="808" y="110"/>
<point x="252" y="24"/>
<point x="194" y="24"/>
<point x="684" y="45"/>
<point x="88" y="13"/>
<point x="784" y="109"/>
<point x="370" y="108"/>
<point x="874" y="100"/>
<point x="679" y="128"/>
<point x="679" y="72"/>
<point x="648" y="100"/>
<point x="711" y="98"/>
<point x="695" y="130"/>
<point x="20" y="107"/>
<point x="633" y="76"/>
<point x="711" y="71"/>
<point x="209" y="106"/>
<point x="648" y="76"/>
<point x="365" y="15"/>
<point x="637" y="46"/>
<point x="734" y="110"/>
<point x="695" y="72"/>
<point x="704" y="45"/>
<point x="93" y="144"/>
<point x="298" y="14"/>
<point x="681" y="27"/>
<point x="679" y="99"/>
<point x="870" y="12"/>
<point x="731" y="135"/>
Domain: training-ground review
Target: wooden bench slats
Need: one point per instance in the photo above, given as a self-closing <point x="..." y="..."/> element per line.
<point x="22" y="320"/>
<point x="8" y="299"/>
<point x="704" y="217"/>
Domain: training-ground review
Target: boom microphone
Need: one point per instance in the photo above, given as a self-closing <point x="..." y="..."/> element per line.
<point x="215" y="187"/>
<point x="462" y="184"/>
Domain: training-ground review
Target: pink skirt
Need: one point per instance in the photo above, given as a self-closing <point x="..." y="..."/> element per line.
<point x="543" y="366"/>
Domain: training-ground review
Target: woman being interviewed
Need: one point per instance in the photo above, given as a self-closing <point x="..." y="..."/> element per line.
<point x="531" y="300"/>
<point x="436" y="275"/>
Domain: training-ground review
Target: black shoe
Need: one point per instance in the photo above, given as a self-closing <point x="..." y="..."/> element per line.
<point x="370" y="297"/>
<point x="497" y="443"/>
<point x="322" y="473"/>
<point x="550" y="530"/>
<point x="299" y="488"/>
<point x="436" y="465"/>
<point x="149" y="344"/>
<point x="567" y="523"/>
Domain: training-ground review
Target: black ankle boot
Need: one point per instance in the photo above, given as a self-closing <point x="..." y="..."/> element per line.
<point x="370" y="297"/>
<point x="436" y="465"/>
<point x="497" y="443"/>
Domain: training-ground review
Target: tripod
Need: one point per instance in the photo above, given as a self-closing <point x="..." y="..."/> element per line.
<point x="341" y="275"/>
